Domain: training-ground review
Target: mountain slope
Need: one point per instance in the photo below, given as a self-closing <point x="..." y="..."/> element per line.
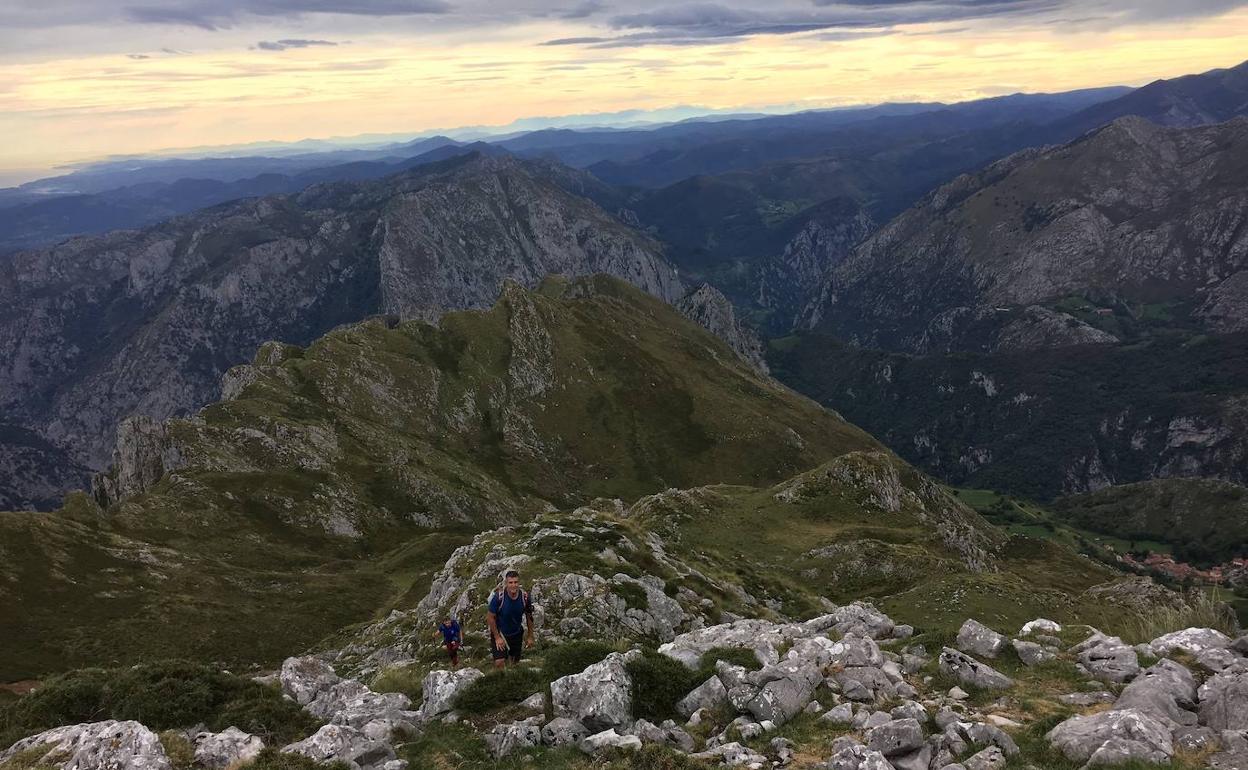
<point x="1206" y="521"/>
<point x="1133" y="214"/>
<point x="1193" y="100"/>
<point x="146" y="322"/>
<point x="1046" y="422"/>
<point x="334" y="477"/>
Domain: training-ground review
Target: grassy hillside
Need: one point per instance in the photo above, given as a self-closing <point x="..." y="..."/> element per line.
<point x="335" y="480"/>
<point x="1204" y="521"/>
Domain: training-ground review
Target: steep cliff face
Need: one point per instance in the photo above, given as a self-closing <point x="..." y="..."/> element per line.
<point x="789" y="282"/>
<point x="709" y="308"/>
<point x="1133" y="213"/>
<point x="146" y="322"/>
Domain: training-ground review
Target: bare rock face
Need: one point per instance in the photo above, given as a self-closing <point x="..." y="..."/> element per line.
<point x="710" y="309"/>
<point x="1130" y="208"/>
<point x="787" y="283"/>
<point x="147" y="322"/>
<point x="600" y="697"/>
<point x="969" y="671"/>
<point x="344" y="744"/>
<point x="229" y="748"/>
<point x="144" y="453"/>
<point x="110" y="745"/>
<point x="976" y="638"/>
<point x="1113" y="737"/>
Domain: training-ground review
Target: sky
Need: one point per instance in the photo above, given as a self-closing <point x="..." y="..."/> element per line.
<point x="81" y="80"/>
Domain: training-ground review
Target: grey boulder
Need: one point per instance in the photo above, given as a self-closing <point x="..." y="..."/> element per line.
<point x="858" y="758"/>
<point x="711" y="694"/>
<point x="1113" y="735"/>
<point x="785" y="690"/>
<point x="440" y="688"/>
<point x="969" y="671"/>
<point x="345" y="744"/>
<point x="976" y="638"/>
<point x="991" y="758"/>
<point x="1033" y="654"/>
<point x="600" y="697"/>
<point x="1191" y="641"/>
<point x="506" y="739"/>
<point x="1224" y="701"/>
<point x="901" y="736"/>
<point x="110" y="745"/>
<point x="231" y="746"/>
<point x="1107" y="658"/>
<point x="562" y="731"/>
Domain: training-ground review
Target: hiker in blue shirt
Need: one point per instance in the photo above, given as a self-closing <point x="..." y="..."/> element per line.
<point x="510" y="609"/>
<point x="452" y="638"/>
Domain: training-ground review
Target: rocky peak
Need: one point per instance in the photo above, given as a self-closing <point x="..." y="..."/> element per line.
<point x="1134" y="211"/>
<point x="709" y="308"/>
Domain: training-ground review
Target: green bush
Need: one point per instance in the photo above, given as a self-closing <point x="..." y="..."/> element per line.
<point x="658" y="683"/>
<point x="737" y="656"/>
<point x="633" y="595"/>
<point x="573" y="658"/>
<point x="273" y="759"/>
<point x="162" y="696"/>
<point x="651" y="757"/>
<point x="499" y="688"/>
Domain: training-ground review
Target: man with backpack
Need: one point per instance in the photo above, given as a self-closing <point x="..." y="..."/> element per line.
<point x="510" y="610"/>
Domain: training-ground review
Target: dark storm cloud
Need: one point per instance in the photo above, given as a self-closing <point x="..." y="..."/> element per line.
<point x="282" y="45"/>
<point x="708" y="22"/>
<point x="210" y="14"/>
<point x="583" y="10"/>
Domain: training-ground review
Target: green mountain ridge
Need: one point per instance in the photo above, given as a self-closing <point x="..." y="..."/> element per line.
<point x="334" y="479"/>
<point x="1206" y="520"/>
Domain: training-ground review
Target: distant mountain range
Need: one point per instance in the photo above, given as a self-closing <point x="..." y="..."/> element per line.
<point x="1126" y="236"/>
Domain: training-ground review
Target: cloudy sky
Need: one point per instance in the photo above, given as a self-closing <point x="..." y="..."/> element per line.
<point x="85" y="79"/>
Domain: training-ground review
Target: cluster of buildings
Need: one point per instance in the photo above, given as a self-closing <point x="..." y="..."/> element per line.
<point x="1233" y="573"/>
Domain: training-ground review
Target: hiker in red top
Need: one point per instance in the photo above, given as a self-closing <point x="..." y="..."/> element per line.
<point x="510" y="609"/>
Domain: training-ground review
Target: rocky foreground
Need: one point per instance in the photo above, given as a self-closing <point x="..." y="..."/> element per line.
<point x="869" y="695"/>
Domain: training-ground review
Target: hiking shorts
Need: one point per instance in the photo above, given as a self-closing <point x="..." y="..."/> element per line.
<point x="515" y="646"/>
<point x="452" y="649"/>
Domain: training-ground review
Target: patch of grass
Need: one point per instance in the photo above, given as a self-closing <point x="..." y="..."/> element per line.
<point x="179" y="750"/>
<point x="499" y="688"/>
<point x="162" y="696"/>
<point x="408" y="680"/>
<point x="1201" y="609"/>
<point x="273" y="759"/>
<point x="34" y="758"/>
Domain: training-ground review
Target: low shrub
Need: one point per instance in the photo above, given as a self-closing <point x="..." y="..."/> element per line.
<point x="633" y="595"/>
<point x="499" y="688"/>
<point x="573" y="658"/>
<point x="273" y="759"/>
<point x="659" y="682"/>
<point x="162" y="696"/>
<point x="737" y="656"/>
